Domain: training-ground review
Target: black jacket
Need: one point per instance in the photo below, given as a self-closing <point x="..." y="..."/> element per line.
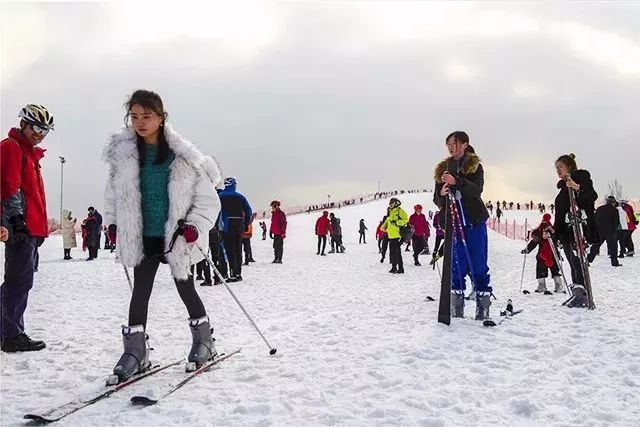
<point x="608" y="220"/>
<point x="585" y="199"/>
<point x="469" y="176"/>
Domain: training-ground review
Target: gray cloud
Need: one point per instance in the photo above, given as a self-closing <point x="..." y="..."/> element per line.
<point x="329" y="108"/>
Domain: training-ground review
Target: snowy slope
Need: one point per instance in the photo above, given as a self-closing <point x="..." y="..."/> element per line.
<point x="356" y="345"/>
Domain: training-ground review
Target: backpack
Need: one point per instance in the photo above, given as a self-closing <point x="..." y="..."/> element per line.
<point x="406" y="232"/>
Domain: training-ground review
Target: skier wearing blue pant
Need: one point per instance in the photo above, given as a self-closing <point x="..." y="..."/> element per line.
<point x="462" y="176"/>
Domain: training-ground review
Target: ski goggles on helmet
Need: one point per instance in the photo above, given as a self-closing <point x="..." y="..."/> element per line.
<point x="40" y="130"/>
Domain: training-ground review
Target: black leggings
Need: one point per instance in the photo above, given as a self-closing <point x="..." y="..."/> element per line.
<point x="143" y="278"/>
<point x="395" y="253"/>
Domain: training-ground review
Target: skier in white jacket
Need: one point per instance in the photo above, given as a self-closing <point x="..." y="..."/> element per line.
<point x="156" y="178"/>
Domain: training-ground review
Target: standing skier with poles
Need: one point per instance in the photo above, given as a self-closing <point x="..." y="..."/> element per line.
<point x="577" y="181"/>
<point x="541" y="237"/>
<point x="459" y="184"/>
<point x="156" y="177"/>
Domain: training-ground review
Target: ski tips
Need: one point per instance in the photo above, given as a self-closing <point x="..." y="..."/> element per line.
<point x="489" y="323"/>
<point x="429" y="298"/>
<point x="38" y="419"/>
<point x="143" y="401"/>
<point x="273" y="351"/>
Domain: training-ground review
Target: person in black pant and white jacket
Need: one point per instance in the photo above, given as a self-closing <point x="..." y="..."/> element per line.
<point x="156" y="178"/>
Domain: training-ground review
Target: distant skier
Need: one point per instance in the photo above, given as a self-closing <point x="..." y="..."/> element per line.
<point x="263" y="226"/>
<point x="362" y="229"/>
<point x="421" y="232"/>
<point x="632" y="224"/>
<point x="437" y="248"/>
<point x="68" y="234"/>
<point x="608" y="221"/>
<point x="578" y="180"/>
<point x="541" y="237"/>
<point x="498" y="213"/>
<point x="336" y="234"/>
<point x="323" y="227"/>
<point x="463" y="174"/>
<point x="236" y="216"/>
<point x="246" y="242"/>
<point x="278" y="231"/>
<point x="396" y="219"/>
<point x="383" y="239"/>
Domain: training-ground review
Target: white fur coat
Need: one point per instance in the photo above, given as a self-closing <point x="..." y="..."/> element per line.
<point x="193" y="179"/>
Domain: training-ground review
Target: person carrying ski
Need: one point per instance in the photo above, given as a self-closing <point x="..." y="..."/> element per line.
<point x="24" y="216"/>
<point x="323" y="226"/>
<point x="421" y="233"/>
<point x="541" y="237"/>
<point x="578" y="180"/>
<point x="278" y="231"/>
<point x="396" y="219"/>
<point x="160" y="197"/>
<point x="462" y="174"/>
<point x="608" y="222"/>
<point x="362" y="229"/>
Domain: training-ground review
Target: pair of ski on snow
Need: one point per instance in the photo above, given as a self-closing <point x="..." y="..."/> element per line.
<point x="61" y="411"/>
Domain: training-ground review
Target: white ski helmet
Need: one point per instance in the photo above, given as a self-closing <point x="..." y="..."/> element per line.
<point x="37" y="115"/>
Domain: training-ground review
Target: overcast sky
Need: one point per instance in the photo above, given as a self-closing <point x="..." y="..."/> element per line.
<point x="301" y="100"/>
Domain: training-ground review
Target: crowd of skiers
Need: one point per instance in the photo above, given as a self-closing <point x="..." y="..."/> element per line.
<point x="166" y="202"/>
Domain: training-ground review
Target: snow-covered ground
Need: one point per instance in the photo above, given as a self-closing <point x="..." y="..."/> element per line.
<point x="356" y="345"/>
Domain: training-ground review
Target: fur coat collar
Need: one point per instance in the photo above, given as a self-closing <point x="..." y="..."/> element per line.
<point x="470" y="163"/>
<point x="192" y="196"/>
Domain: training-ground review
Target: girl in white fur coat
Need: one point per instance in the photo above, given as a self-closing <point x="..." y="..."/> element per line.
<point x="156" y="177"/>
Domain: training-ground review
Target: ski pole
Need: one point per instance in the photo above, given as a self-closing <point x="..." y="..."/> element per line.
<point x="272" y="350"/>
<point x="524" y="262"/>
<point x="456" y="221"/>
<point x="126" y="272"/>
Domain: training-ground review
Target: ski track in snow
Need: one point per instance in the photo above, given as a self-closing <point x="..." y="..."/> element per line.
<point x="356" y="345"/>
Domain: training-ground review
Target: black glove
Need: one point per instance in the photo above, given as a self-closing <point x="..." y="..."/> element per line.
<point x="18" y="230"/>
<point x="524" y="251"/>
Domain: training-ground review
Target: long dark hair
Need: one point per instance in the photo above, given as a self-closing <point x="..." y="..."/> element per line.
<point x="569" y="160"/>
<point x="149" y="101"/>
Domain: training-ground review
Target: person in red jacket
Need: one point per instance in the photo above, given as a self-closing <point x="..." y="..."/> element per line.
<point x="323" y="227"/>
<point x="421" y="232"/>
<point x="24" y="214"/>
<point x="278" y="231"/>
<point x="632" y="224"/>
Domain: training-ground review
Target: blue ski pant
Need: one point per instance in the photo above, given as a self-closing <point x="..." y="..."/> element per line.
<point x="19" y="266"/>
<point x="478" y="246"/>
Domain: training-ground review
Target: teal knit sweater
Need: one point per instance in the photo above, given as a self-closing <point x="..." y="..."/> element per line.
<point x="154" y="183"/>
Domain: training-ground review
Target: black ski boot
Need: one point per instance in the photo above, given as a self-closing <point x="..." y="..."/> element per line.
<point x="135" y="358"/>
<point x="202" y="349"/>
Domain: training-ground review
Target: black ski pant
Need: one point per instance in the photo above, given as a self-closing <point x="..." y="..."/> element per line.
<point x="143" y="277"/>
<point x="322" y="241"/>
<point x="437" y="247"/>
<point x="362" y="238"/>
<point x="574" y="262"/>
<point x="384" y="247"/>
<point x="19" y="266"/>
<point x="246" y="247"/>
<point x="418" y="246"/>
<point x="202" y="268"/>
<point x="278" y="247"/>
<point x="93" y="252"/>
<point x="395" y="254"/>
<point x="67" y="253"/>
<point x="626" y="241"/>
<point x="542" y="271"/>
<point x="379" y="246"/>
<point x="233" y="247"/>
<point x="612" y="248"/>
